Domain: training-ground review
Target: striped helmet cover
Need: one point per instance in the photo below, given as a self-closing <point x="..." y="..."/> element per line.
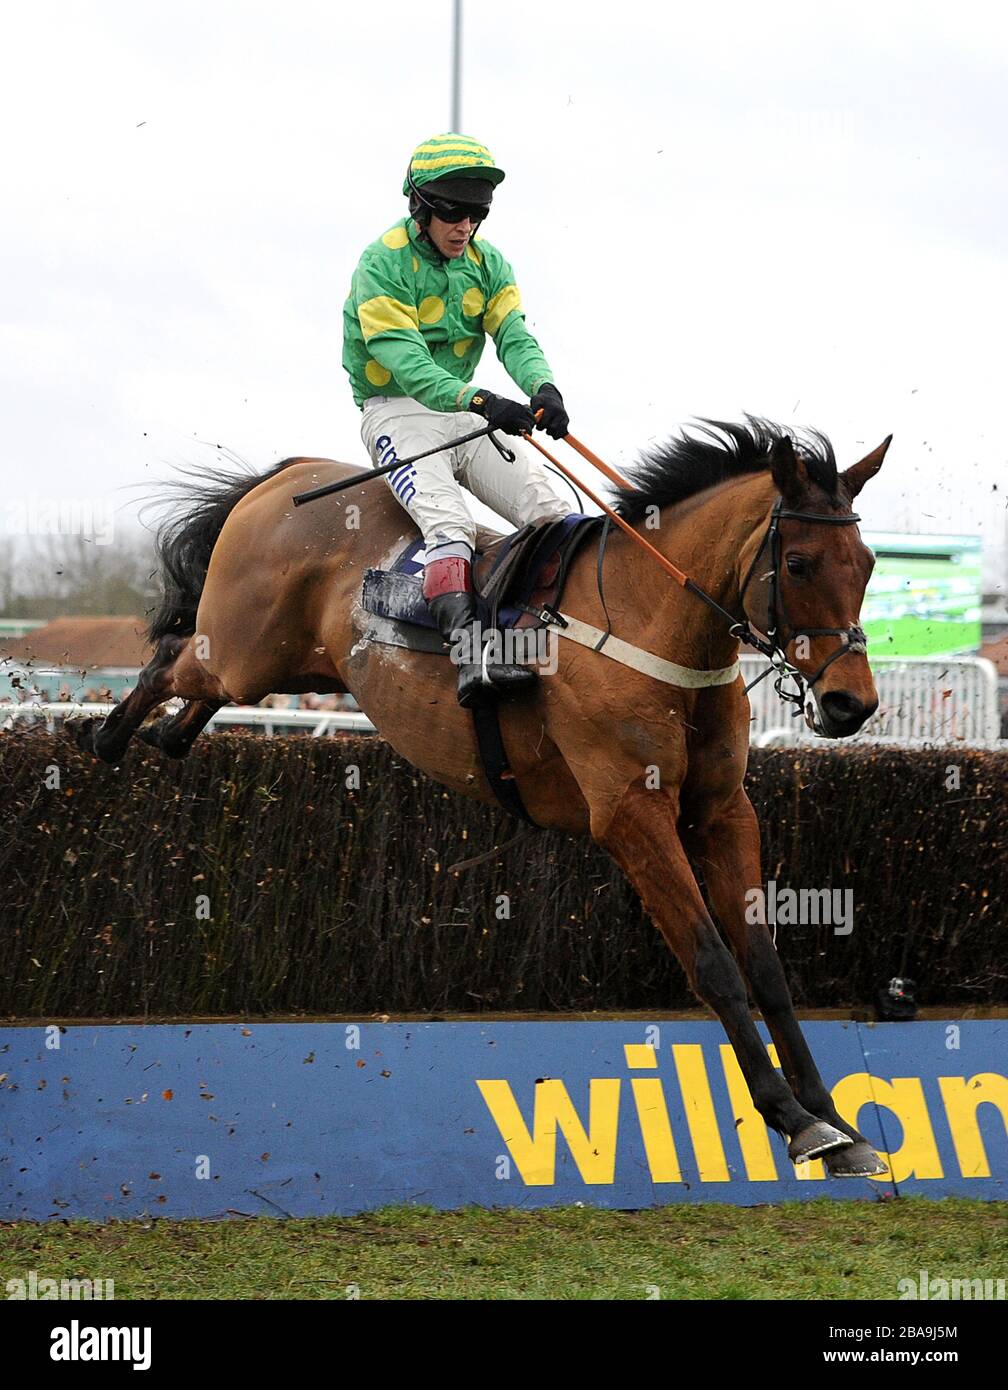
<point x="455" y="154"/>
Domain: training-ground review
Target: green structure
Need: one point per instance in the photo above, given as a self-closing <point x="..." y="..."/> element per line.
<point x="924" y="596"/>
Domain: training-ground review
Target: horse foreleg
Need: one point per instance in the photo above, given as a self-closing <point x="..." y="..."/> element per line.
<point x="726" y="847"/>
<point x="643" y="839"/>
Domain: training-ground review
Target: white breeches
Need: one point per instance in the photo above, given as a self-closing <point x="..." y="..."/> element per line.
<point x="430" y="489"/>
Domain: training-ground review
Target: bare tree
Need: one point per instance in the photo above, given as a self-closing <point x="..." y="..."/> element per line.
<point x="54" y="576"/>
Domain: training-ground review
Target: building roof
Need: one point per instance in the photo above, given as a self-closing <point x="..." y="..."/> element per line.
<point x="88" y="643"/>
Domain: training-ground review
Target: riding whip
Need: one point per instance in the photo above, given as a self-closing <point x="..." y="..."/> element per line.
<point x="366" y="477"/>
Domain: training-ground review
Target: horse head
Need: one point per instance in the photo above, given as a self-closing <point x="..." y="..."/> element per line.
<point x="805" y="580"/>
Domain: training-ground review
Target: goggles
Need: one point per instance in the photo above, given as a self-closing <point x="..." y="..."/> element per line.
<point x="450" y="209"/>
<point x="455" y="212"/>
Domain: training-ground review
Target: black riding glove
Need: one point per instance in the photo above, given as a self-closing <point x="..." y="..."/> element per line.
<point x="555" y="420"/>
<point x="503" y="414"/>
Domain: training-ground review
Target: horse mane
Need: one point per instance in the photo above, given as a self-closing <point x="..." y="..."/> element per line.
<point x="716" y="451"/>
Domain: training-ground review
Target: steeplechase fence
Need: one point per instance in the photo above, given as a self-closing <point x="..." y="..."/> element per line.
<point x="326" y="875"/>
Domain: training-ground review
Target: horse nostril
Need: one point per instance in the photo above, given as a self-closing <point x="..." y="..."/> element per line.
<point x="843" y="708"/>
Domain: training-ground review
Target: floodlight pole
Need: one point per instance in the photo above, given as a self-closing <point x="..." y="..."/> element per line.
<point x="456" y="96"/>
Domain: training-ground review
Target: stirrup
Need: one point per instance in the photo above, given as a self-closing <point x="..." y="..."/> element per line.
<point x="476" y="683"/>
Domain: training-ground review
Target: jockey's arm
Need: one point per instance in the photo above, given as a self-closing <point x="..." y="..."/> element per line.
<point x="504" y="319"/>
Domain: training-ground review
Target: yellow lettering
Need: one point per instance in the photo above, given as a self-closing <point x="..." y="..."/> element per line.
<point x="700" y="1116"/>
<point x="961" y="1099"/>
<point x="917" y="1156"/>
<point x="754" y="1141"/>
<point x="652" y="1114"/>
<point x="640" y="1055"/>
<point x="659" y="1145"/>
<point x="535" y="1154"/>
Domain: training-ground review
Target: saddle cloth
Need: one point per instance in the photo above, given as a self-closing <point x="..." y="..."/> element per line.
<point x="522" y="571"/>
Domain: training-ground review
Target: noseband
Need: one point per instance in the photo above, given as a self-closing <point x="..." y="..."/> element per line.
<point x="852" y="639"/>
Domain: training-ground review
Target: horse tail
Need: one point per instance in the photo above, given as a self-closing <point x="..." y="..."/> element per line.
<point x="185" y="541"/>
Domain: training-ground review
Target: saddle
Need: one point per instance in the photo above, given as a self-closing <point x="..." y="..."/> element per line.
<point x="515" y="578"/>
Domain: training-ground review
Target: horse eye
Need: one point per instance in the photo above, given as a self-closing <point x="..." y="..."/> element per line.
<point x="797" y="565"/>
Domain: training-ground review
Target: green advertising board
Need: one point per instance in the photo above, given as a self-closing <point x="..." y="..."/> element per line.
<point x="924" y="595"/>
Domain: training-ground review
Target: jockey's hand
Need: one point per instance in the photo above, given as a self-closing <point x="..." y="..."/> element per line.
<point x="502" y="413"/>
<point x="554" y="419"/>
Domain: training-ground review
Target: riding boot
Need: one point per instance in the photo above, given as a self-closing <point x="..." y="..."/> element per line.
<point x="448" y="591"/>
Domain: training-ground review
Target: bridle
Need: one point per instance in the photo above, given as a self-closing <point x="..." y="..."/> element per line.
<point x="774" y="644"/>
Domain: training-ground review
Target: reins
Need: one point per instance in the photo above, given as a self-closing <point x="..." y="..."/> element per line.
<point x="853" y="638"/>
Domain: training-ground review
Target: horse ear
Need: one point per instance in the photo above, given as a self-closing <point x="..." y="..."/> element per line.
<point x="787" y="469"/>
<point x="859" y="473"/>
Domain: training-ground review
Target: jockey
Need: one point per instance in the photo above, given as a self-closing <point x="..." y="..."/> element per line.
<point x="423" y="298"/>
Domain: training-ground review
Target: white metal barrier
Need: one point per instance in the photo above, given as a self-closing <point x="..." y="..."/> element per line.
<point x="319" y="721"/>
<point x="271" y="721"/>
<point x="920" y="701"/>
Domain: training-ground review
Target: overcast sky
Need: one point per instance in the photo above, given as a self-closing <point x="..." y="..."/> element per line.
<point x="781" y="208"/>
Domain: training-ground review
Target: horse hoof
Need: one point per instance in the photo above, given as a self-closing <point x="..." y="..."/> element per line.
<point x="87" y="734"/>
<point x="818" y="1139"/>
<point x="174" y="750"/>
<point x="158" y="734"/>
<point x="82" y="732"/>
<point x="151" y="733"/>
<point x="858" y="1160"/>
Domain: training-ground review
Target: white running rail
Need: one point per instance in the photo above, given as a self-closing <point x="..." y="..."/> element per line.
<point x="271" y="721"/>
<point x="920" y="701"/>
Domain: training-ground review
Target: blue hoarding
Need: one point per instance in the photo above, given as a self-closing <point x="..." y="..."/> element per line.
<point x="308" y="1119"/>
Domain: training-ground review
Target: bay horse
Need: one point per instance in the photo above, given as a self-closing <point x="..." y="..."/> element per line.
<point x="262" y="597"/>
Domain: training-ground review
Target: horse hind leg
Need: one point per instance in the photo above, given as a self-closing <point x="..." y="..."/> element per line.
<point x="108" y="738"/>
<point x="175" y="734"/>
<point x="168" y="673"/>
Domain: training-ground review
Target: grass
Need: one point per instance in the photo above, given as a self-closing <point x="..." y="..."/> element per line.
<point x="807" y="1250"/>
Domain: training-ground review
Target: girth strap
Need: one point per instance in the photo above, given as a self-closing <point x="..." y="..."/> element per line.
<point x="493" y="756"/>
